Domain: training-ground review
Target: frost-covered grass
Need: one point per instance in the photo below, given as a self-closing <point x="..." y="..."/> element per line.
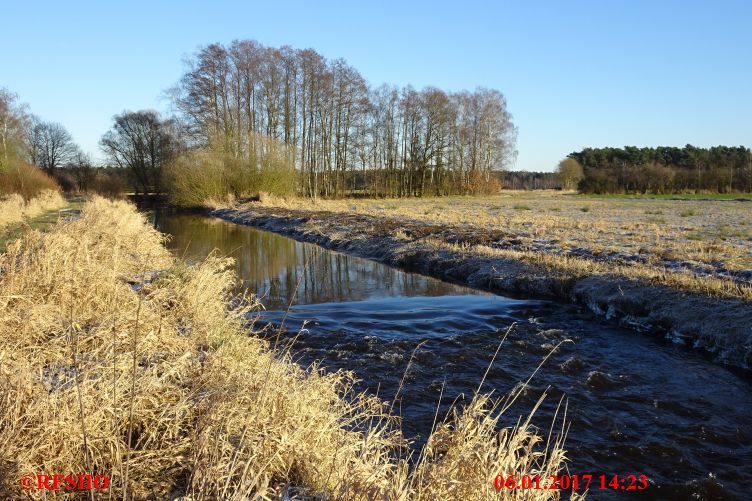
<point x="699" y="245"/>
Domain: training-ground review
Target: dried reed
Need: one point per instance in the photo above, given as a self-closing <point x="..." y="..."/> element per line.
<point x="122" y="360"/>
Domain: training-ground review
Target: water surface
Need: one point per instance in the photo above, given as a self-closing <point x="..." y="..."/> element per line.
<point x="636" y="404"/>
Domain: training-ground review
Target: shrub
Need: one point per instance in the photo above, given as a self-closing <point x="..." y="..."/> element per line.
<point x="482" y="183"/>
<point x="65" y="180"/>
<point x="108" y="184"/>
<point x="195" y="178"/>
<point x="208" y="175"/>
<point x="25" y="180"/>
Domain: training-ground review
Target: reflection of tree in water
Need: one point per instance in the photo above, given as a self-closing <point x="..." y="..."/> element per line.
<point x="272" y="265"/>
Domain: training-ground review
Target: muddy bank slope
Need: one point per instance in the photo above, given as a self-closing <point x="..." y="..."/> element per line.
<point x="720" y="326"/>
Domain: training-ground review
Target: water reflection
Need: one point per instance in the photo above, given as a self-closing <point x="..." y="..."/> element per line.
<point x="280" y="269"/>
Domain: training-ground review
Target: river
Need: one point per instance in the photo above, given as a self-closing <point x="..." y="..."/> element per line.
<point x="636" y="404"/>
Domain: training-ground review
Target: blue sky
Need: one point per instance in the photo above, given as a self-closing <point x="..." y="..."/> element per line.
<point x="575" y="74"/>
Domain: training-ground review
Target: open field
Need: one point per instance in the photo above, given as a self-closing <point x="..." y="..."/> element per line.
<point x="697" y="245"/>
<point x="119" y="359"/>
<point x="675" y="196"/>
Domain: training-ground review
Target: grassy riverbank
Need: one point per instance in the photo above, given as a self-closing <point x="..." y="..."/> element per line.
<point x="14" y="209"/>
<point x="46" y="213"/>
<point x="122" y="360"/>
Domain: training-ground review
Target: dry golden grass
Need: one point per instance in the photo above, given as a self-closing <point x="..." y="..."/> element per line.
<point x="119" y="359"/>
<point x="548" y="225"/>
<point x="14" y="209"/>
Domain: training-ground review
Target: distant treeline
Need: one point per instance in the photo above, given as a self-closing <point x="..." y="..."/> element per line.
<point x="525" y="180"/>
<point x="720" y="169"/>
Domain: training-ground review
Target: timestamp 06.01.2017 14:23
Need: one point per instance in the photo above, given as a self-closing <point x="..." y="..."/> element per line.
<point x="574" y="482"/>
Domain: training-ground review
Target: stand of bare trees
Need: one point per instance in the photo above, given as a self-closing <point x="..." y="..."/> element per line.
<point x="16" y="175"/>
<point x="530" y="180"/>
<point x="343" y="138"/>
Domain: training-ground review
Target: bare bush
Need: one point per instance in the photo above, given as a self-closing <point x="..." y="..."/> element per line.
<point x="25" y="180"/>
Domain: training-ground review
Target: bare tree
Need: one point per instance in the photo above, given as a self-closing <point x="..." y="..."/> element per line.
<point x="50" y="145"/>
<point x="83" y="171"/>
<point x="12" y="122"/>
<point x="33" y="139"/>
<point x="570" y="173"/>
<point x="143" y="143"/>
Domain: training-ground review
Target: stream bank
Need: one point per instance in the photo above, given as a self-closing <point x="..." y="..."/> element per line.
<point x="721" y="327"/>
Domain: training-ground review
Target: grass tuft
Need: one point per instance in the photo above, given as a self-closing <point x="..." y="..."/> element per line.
<point x="688" y="212"/>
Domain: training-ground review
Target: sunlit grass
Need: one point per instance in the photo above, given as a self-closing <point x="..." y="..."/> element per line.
<point x="120" y="359"/>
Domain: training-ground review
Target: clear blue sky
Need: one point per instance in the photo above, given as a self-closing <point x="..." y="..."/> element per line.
<point x="576" y="73"/>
